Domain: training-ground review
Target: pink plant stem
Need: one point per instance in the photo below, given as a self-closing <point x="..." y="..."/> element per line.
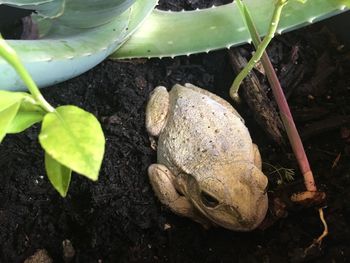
<point x="285" y="113"/>
<point x="289" y="124"/>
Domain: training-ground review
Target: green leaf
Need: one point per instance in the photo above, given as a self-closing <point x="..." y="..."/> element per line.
<point x="345" y="2"/>
<point x="23" y="120"/>
<point x="74" y="138"/>
<point x="9" y="105"/>
<point x="8" y="98"/>
<point x="301" y="1"/>
<point x="28" y="114"/>
<point x="58" y="174"/>
<point x="6" y="117"/>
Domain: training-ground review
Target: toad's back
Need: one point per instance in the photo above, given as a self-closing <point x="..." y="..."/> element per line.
<point x="201" y="131"/>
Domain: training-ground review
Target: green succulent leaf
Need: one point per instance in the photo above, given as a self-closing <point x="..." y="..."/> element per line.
<point x="24" y="3"/>
<point x="75" y="13"/>
<point x="74" y="138"/>
<point x="44" y="8"/>
<point x="91" y="13"/>
<point x="218" y="27"/>
<point x="58" y="174"/>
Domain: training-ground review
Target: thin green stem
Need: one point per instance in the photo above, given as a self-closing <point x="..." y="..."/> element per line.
<point x="260" y="50"/>
<point x="10" y="55"/>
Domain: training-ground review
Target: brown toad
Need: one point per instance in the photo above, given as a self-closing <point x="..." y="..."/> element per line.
<point x="207" y="167"/>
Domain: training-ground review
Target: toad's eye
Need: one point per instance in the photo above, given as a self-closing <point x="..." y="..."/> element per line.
<point x="208" y="200"/>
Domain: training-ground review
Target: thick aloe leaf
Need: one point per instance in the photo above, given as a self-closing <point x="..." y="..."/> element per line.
<point x="25" y="3"/>
<point x="75" y="13"/>
<point x="74" y="138"/>
<point x="180" y="33"/>
<point x="44" y="8"/>
<point x="91" y="13"/>
<point x="65" y="52"/>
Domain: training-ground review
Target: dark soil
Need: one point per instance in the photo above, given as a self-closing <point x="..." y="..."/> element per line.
<point x="118" y="218"/>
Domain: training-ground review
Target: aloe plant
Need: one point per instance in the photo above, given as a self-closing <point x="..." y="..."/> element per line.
<point x="76" y="35"/>
<point x="63" y="51"/>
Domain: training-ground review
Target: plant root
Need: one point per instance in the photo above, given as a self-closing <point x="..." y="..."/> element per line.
<point x="318" y="242"/>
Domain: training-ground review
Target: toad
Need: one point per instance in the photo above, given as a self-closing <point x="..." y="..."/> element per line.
<point x="207" y="167"/>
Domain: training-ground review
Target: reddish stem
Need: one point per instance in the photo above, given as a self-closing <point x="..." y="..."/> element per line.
<point x="285" y="113"/>
<point x="289" y="124"/>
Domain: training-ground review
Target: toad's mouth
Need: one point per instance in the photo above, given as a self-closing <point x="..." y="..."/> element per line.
<point x="229" y="216"/>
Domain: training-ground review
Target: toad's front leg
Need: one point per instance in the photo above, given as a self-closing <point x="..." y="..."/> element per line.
<point x="162" y="181"/>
